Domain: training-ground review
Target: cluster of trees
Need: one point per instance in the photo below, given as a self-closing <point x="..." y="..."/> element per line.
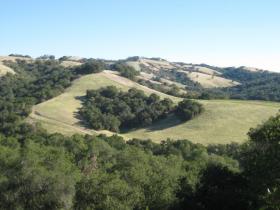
<point x="91" y="66"/>
<point x="20" y="55"/>
<point x="260" y="85"/>
<point x="46" y="57"/>
<point x="188" y="109"/>
<point x="180" y="77"/>
<point x="111" y="109"/>
<point x="126" y="70"/>
<point x="52" y="171"/>
<point x="262" y="89"/>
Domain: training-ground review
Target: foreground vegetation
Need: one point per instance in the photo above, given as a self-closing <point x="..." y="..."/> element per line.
<point x="43" y="171"/>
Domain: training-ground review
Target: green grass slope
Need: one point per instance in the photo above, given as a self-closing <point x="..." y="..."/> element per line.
<point x="223" y="121"/>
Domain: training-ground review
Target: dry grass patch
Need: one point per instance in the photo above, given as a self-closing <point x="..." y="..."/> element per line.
<point x="210" y="81"/>
<point x="206" y="70"/>
<point x="70" y="63"/>
<point x="5" y="69"/>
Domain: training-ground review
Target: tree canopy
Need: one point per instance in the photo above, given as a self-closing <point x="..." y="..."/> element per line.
<point x="112" y="109"/>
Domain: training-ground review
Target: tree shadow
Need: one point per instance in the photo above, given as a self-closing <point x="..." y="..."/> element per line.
<point x="78" y="116"/>
<point x="168" y="122"/>
<point x="81" y="98"/>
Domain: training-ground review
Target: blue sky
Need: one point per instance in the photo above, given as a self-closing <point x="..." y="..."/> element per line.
<point x="217" y="32"/>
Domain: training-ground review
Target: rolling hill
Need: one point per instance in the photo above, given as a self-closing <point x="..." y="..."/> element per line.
<point x="205" y="76"/>
<point x="223" y="121"/>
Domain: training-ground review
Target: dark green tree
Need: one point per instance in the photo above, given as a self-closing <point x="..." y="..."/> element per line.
<point x="126" y="70"/>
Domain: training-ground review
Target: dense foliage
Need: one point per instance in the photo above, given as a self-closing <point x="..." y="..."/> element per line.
<point x="52" y="171"/>
<point x="111" y="109"/>
<point x="33" y="83"/>
<point x="42" y="171"/>
<point x="259" y="85"/>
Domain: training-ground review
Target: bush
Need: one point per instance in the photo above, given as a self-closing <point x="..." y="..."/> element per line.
<point x="92" y="66"/>
<point x="188" y="109"/>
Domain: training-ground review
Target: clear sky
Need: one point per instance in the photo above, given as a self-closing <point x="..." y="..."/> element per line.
<point x="217" y="32"/>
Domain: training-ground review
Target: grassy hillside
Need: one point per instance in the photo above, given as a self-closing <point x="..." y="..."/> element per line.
<point x="210" y="81"/>
<point x="222" y="122"/>
<point x="196" y="73"/>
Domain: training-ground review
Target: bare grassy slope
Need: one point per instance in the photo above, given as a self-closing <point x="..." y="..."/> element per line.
<point x="5" y="69"/>
<point x="211" y="81"/>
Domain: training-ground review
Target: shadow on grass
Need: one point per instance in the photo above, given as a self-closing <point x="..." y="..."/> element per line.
<point x="81" y="98"/>
<point x="168" y="122"/>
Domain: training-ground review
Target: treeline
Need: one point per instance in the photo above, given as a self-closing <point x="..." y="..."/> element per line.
<point x="20" y="55"/>
<point x="52" y="171"/>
